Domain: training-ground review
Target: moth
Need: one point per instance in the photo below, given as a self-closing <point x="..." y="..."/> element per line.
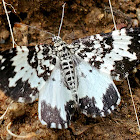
<point x="69" y="77"/>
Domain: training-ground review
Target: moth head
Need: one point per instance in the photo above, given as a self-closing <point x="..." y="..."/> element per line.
<point x="56" y="39"/>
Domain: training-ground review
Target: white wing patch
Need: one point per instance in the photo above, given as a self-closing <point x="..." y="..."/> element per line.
<point x="55" y="102"/>
<point x="24" y="71"/>
<point x="97" y="93"/>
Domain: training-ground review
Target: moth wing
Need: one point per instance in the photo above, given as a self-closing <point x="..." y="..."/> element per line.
<point x="98" y="95"/>
<point x="56" y="104"/>
<point x="115" y="53"/>
<point x="24" y="71"/>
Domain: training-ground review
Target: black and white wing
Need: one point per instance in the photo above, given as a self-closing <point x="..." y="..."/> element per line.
<point x="100" y="58"/>
<point x="97" y="93"/>
<point x="24" y="71"/>
<point x="114" y="53"/>
<point x="27" y="73"/>
<point x="56" y="103"/>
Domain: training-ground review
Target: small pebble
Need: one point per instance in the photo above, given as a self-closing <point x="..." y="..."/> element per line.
<point x="16" y="110"/>
<point x="135" y="23"/>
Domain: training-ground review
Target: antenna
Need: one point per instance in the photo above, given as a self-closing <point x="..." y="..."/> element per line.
<point x="133" y="103"/>
<point x="112" y="15"/>
<point x="61" y="18"/>
<point x="9" y="20"/>
<point x="34" y="27"/>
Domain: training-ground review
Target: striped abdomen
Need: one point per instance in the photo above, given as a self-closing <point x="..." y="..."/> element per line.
<point x="68" y="73"/>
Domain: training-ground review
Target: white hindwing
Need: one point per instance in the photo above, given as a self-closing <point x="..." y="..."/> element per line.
<point x="55" y="102"/>
<point x="97" y="93"/>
